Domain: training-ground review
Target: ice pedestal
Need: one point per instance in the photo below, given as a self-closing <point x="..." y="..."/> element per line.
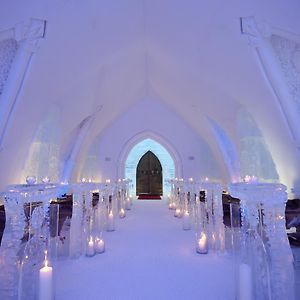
<point x="25" y="237"/>
<point x="263" y="215"/>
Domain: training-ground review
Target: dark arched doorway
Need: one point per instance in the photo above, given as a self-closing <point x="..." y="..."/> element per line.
<point x="149" y="175"/>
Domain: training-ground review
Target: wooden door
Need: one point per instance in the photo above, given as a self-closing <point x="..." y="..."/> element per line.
<point x="149" y="175"/>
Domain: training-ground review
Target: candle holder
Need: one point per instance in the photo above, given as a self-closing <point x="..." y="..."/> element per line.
<point x="90" y="247"/>
<point x="186" y="220"/>
<point x="110" y="224"/>
<point x="122" y="213"/>
<point x="99" y="245"/>
<point x="177" y="213"/>
<point x="128" y="203"/>
<point x="201" y="243"/>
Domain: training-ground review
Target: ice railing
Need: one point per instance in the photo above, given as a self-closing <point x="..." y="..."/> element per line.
<point x="31" y="238"/>
<point x="255" y="237"/>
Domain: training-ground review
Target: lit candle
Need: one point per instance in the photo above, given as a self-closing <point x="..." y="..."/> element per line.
<point x="110" y="222"/>
<point x="122" y="213"/>
<point x="107" y="181"/>
<point x="186" y="223"/>
<point x="83" y="179"/>
<point x="90" y="251"/>
<point x="206" y="178"/>
<point x="245" y="282"/>
<point x="201" y="246"/>
<point x="45" y="284"/>
<point x="99" y="245"/>
<point x="177" y="213"/>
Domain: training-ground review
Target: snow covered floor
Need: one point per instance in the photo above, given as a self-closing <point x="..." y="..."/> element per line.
<point x="149" y="256"/>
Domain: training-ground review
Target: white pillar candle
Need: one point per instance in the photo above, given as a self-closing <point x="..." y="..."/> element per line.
<point x="110" y="222"/>
<point x="45" y="284"/>
<point x="201" y="246"/>
<point x="177" y="213"/>
<point x="122" y="213"/>
<point x="90" y="251"/>
<point x="186" y="222"/>
<point x="99" y="245"/>
<point x="245" y="282"/>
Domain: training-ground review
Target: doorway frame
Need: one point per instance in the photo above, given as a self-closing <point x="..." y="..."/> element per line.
<point x="136" y="139"/>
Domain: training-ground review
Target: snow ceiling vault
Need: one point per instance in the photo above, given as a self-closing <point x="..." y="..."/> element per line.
<point x="78" y="66"/>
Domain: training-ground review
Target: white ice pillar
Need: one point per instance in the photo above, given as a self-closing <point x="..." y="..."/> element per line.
<point x="263" y="213"/>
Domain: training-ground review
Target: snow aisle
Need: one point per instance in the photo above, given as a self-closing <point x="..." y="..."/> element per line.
<point x="149" y="256"/>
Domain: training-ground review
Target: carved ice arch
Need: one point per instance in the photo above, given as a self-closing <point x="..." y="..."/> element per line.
<point x="27" y="35"/>
<point x="260" y="37"/>
<point x="228" y="150"/>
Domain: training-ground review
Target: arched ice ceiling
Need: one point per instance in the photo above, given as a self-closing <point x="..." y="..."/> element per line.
<point x="189" y="54"/>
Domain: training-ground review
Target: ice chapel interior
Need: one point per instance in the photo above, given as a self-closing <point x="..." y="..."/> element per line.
<point x="150" y="149"/>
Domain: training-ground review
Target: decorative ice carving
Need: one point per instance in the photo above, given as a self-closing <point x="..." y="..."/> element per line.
<point x="263" y="225"/>
<point x="285" y="50"/>
<point x="20" y="239"/>
<point x="8" y="50"/>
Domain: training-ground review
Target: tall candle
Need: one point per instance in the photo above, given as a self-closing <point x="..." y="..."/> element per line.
<point x="110" y="222"/>
<point x="186" y="223"/>
<point x="245" y="282"/>
<point x="201" y="246"/>
<point x="99" y="245"/>
<point x="46" y="284"/>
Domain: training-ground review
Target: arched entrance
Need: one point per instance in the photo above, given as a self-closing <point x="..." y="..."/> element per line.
<point x="140" y="145"/>
<point x="149" y="175"/>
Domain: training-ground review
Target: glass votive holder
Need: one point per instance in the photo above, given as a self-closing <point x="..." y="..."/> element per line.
<point x="177" y="213"/>
<point x="186" y="220"/>
<point x="110" y="226"/>
<point x="201" y="243"/>
<point x="90" y="247"/>
<point x="122" y="213"/>
<point x="99" y="245"/>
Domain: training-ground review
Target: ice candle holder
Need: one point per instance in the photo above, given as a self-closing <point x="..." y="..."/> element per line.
<point x="90" y="247"/>
<point x="186" y="221"/>
<point x="110" y="221"/>
<point x="202" y="243"/>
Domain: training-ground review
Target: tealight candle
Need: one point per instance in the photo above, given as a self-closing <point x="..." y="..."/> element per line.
<point x="99" y="245"/>
<point x="90" y="251"/>
<point x="177" y="213"/>
<point x="186" y="223"/>
<point x="201" y="246"/>
<point x="46" y="284"/>
<point x="110" y="222"/>
<point x="122" y="213"/>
